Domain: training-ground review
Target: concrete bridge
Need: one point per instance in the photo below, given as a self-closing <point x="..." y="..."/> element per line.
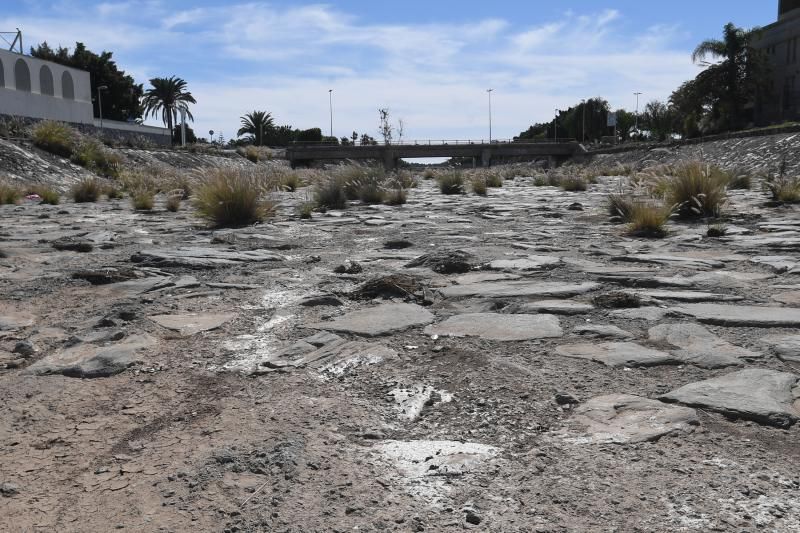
<point x="555" y="151"/>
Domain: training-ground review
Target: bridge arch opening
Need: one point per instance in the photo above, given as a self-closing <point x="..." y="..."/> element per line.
<point x="22" y="76"/>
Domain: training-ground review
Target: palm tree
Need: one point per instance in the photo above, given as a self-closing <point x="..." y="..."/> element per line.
<point x="255" y="124"/>
<point x="741" y="68"/>
<point x="168" y="96"/>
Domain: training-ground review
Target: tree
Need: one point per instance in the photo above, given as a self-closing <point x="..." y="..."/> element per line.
<point x="191" y="138"/>
<point x="257" y="124"/>
<point x="385" y="129"/>
<point x="121" y="99"/>
<point x="367" y="140"/>
<point x="658" y="118"/>
<point x="167" y="97"/>
<point x="740" y="74"/>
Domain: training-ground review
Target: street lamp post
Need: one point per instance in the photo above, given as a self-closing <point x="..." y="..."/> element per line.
<point x="489" y="91"/>
<point x="636" y="127"/>
<point x="330" y="102"/>
<point x="583" y="123"/>
<point x="101" y="88"/>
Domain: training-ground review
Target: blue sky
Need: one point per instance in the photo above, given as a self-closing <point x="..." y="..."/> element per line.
<point x="430" y="62"/>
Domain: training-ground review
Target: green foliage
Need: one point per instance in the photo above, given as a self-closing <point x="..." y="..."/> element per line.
<point x="256" y="125"/>
<point x="54" y="137"/>
<point x="593" y="114"/>
<point x="696" y="189"/>
<point x="290" y="182"/>
<point x="122" y="96"/>
<point x="191" y="138"/>
<point x="494" y="179"/>
<point x="9" y="194"/>
<point x="306" y="209"/>
<point x="540" y="181"/>
<point x="49" y="196"/>
<point x="87" y="190"/>
<point x="717" y="230"/>
<point x="451" y="182"/>
<point x="113" y="192"/>
<point x="93" y="155"/>
<point x="232" y="197"/>
<point x="167" y="97"/>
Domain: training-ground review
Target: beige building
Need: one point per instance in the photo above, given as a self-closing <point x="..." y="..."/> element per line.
<point x="781" y="42"/>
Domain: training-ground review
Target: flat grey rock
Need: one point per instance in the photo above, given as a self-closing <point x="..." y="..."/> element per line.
<point x="789" y="298"/>
<point x="340" y="357"/>
<point x="192" y="323"/>
<point x="626" y="419"/>
<point x="699" y="346"/>
<point x="483" y="277"/>
<point x="650" y="314"/>
<point x="15" y="321"/>
<point x="603" y="331"/>
<point x="532" y="262"/>
<point x="379" y="320"/>
<point x="786" y="347"/>
<point x="510" y="289"/>
<point x="765" y="396"/>
<point x="89" y="361"/>
<point x="688" y="296"/>
<point x="672" y="260"/>
<point x="553" y="307"/>
<point x="497" y="327"/>
<point x="777" y="263"/>
<point x="425" y="458"/>
<point x="617" y="354"/>
<point x="743" y="315"/>
<point x="203" y="257"/>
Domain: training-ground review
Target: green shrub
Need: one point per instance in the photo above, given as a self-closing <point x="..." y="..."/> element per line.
<point x="49" y="196"/>
<point x="573" y="184"/>
<point x="330" y="194"/>
<point x="540" y="181"/>
<point x="696" y="189"/>
<point x="9" y="194"/>
<point x="647" y="220"/>
<point x="54" y="137"/>
<point x="113" y="192"/>
<point x="371" y="192"/>
<point x="396" y="196"/>
<point x="305" y="210"/>
<point x="143" y="200"/>
<point x="87" y="190"/>
<point x="233" y="197"/>
<point x="479" y="185"/>
<point x="93" y="155"/>
<point x="451" y="182"/>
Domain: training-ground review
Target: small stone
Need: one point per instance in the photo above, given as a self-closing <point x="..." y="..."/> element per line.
<point x="617" y="300"/>
<point x="8" y="489"/>
<point x="563" y="398"/>
<point x="24" y="348"/>
<point x="349" y="268"/>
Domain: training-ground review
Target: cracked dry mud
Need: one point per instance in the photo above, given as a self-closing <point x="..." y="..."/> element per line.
<point x="180" y="379"/>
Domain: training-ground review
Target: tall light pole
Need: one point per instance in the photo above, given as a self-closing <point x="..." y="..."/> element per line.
<point x="555" y="127"/>
<point x="101" y="88"/>
<point x="636" y="127"/>
<point x="583" y="124"/>
<point x="330" y="101"/>
<point x="490" y="114"/>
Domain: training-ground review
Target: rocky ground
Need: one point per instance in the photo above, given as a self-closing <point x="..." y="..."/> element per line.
<point x="510" y="363"/>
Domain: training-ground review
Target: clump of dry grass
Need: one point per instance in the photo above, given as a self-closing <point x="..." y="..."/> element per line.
<point x="782" y="187"/>
<point x="397" y="196"/>
<point x="54" y="137"/>
<point x="740" y="178"/>
<point x="621" y="205"/>
<point x="494" y="179"/>
<point x="648" y="220"/>
<point x="330" y="193"/>
<point x="479" y="185"/>
<point x="696" y="189"/>
<point x="305" y="210"/>
<point x="451" y="182"/>
<point x="87" y="190"/>
<point x="143" y="200"/>
<point x="573" y="183"/>
<point x="91" y="154"/>
<point x="174" y="200"/>
<point x="251" y="153"/>
<point x="234" y="197"/>
<point x="540" y="180"/>
<point x="48" y="195"/>
<point x="9" y="194"/>
<point x="429" y="174"/>
<point x="290" y="182"/>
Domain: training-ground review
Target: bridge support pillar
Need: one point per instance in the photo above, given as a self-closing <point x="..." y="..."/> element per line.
<point x="486" y="158"/>
<point x="389" y="160"/>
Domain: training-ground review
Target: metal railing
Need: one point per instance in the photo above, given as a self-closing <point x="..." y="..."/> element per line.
<point x="438" y="142"/>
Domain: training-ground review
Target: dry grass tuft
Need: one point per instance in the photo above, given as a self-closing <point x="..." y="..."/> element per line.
<point x="574" y="183"/>
<point x="174" y="200"/>
<point x="49" y="196"/>
<point x="781" y="187"/>
<point x="9" y="194"/>
<point x="54" y="137"/>
<point x="230" y="197"/>
<point x="648" y="220"/>
<point x="451" y="182"/>
<point x="479" y="185"/>
<point x="87" y="190"/>
<point x="397" y="196"/>
<point x="143" y="199"/>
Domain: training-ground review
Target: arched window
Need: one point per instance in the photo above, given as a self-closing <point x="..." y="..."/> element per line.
<point x="22" y="75"/>
<point x="46" y="81"/>
<point x="67" y="87"/>
<point x="2" y="75"/>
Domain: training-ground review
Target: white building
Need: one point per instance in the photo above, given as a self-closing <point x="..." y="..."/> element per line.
<point x="34" y="88"/>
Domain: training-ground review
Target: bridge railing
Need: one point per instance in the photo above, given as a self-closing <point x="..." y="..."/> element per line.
<point x="436" y="142"/>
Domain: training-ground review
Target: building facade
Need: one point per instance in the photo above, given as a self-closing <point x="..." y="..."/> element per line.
<point x="780" y="42"/>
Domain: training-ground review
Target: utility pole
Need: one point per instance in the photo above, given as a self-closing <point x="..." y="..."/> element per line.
<point x="555" y="127"/>
<point x="330" y="101"/>
<point x="637" y="113"/>
<point x="490" y="114"/>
